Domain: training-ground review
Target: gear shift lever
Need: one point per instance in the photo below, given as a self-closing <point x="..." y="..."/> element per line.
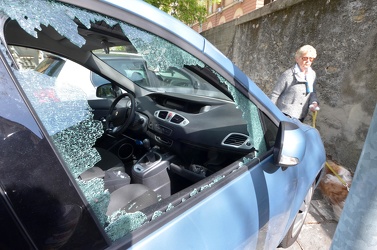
<point x="150" y="154"/>
<point x="147" y="144"/>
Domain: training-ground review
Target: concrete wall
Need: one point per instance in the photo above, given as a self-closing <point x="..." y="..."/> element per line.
<point x="344" y="32"/>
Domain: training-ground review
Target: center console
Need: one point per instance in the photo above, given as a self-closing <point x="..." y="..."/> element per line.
<point x="151" y="171"/>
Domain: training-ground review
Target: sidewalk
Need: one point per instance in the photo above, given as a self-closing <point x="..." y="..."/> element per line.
<point x="319" y="227"/>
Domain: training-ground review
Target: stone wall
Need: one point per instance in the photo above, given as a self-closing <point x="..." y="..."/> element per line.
<point x="344" y="33"/>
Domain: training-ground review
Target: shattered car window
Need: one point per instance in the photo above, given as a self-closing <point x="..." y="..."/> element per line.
<point x="67" y="117"/>
<point x="70" y="125"/>
<point x="250" y="114"/>
<point x="154" y="50"/>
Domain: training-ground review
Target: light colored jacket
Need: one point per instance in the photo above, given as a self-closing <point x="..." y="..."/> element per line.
<point x="290" y="93"/>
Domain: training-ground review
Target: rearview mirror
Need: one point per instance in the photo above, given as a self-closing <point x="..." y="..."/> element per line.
<point x="108" y="91"/>
<point x="290" y="145"/>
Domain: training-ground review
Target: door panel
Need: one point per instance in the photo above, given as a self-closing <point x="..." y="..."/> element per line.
<point x="227" y="219"/>
<point x="275" y="192"/>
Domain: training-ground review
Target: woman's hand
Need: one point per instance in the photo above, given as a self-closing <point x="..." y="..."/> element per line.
<point x="314" y="107"/>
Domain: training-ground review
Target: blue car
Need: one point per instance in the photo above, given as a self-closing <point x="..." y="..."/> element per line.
<point x="177" y="149"/>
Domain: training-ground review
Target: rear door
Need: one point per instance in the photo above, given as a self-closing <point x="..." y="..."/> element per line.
<point x="32" y="181"/>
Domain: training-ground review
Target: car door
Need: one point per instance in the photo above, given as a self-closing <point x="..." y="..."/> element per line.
<point x="35" y="211"/>
<point x="251" y="209"/>
<point x="264" y="213"/>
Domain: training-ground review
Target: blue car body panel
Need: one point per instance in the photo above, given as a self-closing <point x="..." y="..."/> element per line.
<point x="263" y="199"/>
<point x="234" y="205"/>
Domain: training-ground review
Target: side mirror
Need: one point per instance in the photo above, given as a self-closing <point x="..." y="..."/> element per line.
<point x="108" y="91"/>
<point x="290" y="145"/>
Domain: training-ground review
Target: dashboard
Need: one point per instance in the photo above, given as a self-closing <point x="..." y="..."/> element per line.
<point x="197" y="121"/>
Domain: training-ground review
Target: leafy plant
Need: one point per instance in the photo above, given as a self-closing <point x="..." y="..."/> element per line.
<point x="188" y="11"/>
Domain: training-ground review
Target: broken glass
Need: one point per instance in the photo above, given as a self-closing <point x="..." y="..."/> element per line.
<point x="156" y="214"/>
<point x="71" y="127"/>
<point x="67" y="117"/>
<point x="251" y="115"/>
<point x="159" y="53"/>
<point x="31" y="16"/>
<point x="121" y="223"/>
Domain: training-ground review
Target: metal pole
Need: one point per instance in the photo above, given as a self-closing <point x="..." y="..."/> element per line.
<point x="357" y="227"/>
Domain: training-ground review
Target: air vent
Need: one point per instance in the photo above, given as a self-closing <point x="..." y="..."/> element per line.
<point x="177" y="119"/>
<point x="237" y="140"/>
<point x="162" y="114"/>
<point x="172" y="117"/>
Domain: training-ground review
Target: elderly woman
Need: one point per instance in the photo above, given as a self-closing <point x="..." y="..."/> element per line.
<point x="294" y="93"/>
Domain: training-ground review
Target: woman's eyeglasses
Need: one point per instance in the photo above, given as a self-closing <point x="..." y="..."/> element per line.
<point x="305" y="58"/>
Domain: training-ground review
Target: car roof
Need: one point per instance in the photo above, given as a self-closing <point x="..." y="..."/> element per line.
<point x="160" y="18"/>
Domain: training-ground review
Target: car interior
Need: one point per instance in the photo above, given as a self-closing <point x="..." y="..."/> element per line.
<point x="146" y="142"/>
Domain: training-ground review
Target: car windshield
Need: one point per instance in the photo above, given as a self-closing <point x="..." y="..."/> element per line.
<point x="130" y="65"/>
<point x="173" y="76"/>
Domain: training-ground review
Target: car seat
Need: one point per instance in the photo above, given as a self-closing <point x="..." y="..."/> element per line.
<point x="123" y="195"/>
<point x="131" y="198"/>
<point x="137" y="78"/>
<point x="110" y="168"/>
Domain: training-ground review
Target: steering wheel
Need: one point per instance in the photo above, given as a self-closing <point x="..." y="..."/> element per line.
<point x="118" y="119"/>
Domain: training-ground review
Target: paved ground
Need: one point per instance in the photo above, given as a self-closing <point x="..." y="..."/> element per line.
<point x="319" y="226"/>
